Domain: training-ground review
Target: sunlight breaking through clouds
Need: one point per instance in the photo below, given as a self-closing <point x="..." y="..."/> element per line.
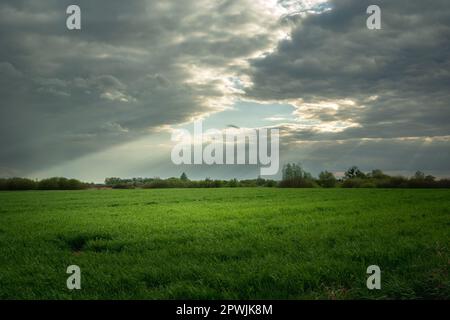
<point x="309" y="67"/>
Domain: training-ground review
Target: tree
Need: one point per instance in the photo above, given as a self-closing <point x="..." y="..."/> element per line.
<point x="295" y="177"/>
<point x="287" y="172"/>
<point x="20" y="184"/>
<point x="419" y="175"/>
<point x="260" y="181"/>
<point x="327" y="179"/>
<point x="378" y="174"/>
<point x="60" y="183"/>
<point x="112" y="181"/>
<point x="184" y="177"/>
<point x="354" y="172"/>
<point x="233" y="183"/>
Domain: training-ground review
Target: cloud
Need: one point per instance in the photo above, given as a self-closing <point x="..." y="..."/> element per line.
<point x="397" y="77"/>
<point x="139" y="65"/>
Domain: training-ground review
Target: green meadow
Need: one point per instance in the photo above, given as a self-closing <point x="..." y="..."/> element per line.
<point x="228" y="243"/>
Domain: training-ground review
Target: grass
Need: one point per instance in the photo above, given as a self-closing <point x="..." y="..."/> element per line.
<point x="256" y="243"/>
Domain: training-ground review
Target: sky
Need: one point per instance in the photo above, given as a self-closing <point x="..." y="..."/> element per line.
<point x="102" y="101"/>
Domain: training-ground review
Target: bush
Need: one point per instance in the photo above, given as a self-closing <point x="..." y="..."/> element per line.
<point x="295" y="177"/>
<point x="392" y="182"/>
<point x="270" y="183"/>
<point x="233" y="183"/>
<point x="157" y="183"/>
<point x="353" y="183"/>
<point x="57" y="183"/>
<point x="19" y="184"/>
<point x="298" y="183"/>
<point x="327" y="180"/>
<point x="443" y="183"/>
<point x="122" y="186"/>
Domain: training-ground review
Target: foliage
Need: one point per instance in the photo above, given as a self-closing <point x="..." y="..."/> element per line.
<point x="354" y="178"/>
<point x="295" y="177"/>
<point x="12" y="184"/>
<point x="327" y="180"/>
<point x="184" y="182"/>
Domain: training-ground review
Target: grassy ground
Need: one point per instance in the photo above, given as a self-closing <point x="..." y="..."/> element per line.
<point x="225" y="243"/>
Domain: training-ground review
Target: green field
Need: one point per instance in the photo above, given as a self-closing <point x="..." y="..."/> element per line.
<point x="255" y="243"/>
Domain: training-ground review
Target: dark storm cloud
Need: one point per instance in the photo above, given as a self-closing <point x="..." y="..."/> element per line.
<point x="68" y="93"/>
<point x="330" y="56"/>
<point x="137" y="66"/>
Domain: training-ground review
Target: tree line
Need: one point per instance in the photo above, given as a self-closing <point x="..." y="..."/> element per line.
<point x="55" y="183"/>
<point x="293" y="176"/>
<point x="184" y="182"/>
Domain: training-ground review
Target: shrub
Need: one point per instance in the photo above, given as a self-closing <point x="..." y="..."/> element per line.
<point x="45" y="184"/>
<point x="353" y="183"/>
<point x="327" y="180"/>
<point x="58" y="183"/>
<point x="392" y="182"/>
<point x="19" y="184"/>
<point x="295" y="177"/>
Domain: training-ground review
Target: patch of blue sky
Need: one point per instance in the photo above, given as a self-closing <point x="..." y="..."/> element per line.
<point x="246" y="114"/>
